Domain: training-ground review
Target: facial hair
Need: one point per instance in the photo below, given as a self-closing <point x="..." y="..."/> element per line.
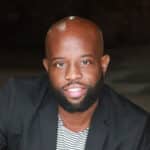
<point x="90" y="98"/>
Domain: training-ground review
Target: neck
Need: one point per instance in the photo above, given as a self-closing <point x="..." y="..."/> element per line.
<point x="77" y="121"/>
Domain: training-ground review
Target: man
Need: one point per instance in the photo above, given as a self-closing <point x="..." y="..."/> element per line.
<point x="71" y="108"/>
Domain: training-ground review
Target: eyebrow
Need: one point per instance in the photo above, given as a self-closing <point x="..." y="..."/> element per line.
<point x="62" y="58"/>
<point x="88" y="55"/>
<point x="57" y="58"/>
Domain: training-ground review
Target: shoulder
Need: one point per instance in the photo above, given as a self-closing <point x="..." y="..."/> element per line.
<point x="123" y="104"/>
<point x="27" y="85"/>
<point x="27" y="82"/>
<point x="123" y="111"/>
<point x="19" y="98"/>
<point x="129" y="122"/>
<point x="20" y="93"/>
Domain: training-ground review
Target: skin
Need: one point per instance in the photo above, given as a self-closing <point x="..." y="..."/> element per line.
<point x="74" y="53"/>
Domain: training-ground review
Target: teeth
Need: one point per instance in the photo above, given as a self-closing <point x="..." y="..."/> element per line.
<point x="74" y="89"/>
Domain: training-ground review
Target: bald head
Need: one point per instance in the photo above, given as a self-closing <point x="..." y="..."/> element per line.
<point x="74" y="28"/>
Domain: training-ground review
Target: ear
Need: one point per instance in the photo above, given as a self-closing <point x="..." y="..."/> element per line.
<point x="45" y="64"/>
<point x="105" y="63"/>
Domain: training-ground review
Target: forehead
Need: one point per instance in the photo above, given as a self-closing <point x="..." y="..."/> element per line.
<point x="72" y="45"/>
<point x="73" y="33"/>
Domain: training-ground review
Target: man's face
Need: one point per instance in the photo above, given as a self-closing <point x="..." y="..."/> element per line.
<point x="75" y="69"/>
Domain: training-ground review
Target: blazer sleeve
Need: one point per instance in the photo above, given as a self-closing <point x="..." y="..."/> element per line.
<point x="145" y="140"/>
<point x="5" y="94"/>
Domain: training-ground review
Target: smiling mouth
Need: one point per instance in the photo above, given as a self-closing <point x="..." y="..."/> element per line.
<point x="75" y="91"/>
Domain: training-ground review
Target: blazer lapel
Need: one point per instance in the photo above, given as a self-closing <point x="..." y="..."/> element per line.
<point x="48" y="124"/>
<point x="100" y="125"/>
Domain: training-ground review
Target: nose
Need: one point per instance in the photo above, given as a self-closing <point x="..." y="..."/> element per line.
<point x="73" y="72"/>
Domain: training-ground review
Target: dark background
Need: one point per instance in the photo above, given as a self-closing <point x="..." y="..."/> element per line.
<point x="126" y="29"/>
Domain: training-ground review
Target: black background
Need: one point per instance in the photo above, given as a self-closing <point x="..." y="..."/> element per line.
<point x="126" y="29"/>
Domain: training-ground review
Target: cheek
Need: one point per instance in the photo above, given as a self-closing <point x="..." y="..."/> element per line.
<point x="91" y="76"/>
<point x="56" y="78"/>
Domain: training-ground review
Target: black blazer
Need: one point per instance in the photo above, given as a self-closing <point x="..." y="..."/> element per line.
<point x="28" y="119"/>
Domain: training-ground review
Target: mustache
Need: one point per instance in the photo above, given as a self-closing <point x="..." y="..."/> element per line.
<point x="74" y="82"/>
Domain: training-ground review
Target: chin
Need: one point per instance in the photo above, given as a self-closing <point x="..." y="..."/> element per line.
<point x="75" y="100"/>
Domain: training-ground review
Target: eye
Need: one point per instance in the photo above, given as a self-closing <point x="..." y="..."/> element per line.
<point x="86" y="62"/>
<point x="59" y="65"/>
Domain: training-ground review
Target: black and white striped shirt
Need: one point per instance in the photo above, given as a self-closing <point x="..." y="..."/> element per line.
<point x="69" y="140"/>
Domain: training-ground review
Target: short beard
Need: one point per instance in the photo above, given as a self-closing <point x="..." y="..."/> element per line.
<point x="90" y="98"/>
